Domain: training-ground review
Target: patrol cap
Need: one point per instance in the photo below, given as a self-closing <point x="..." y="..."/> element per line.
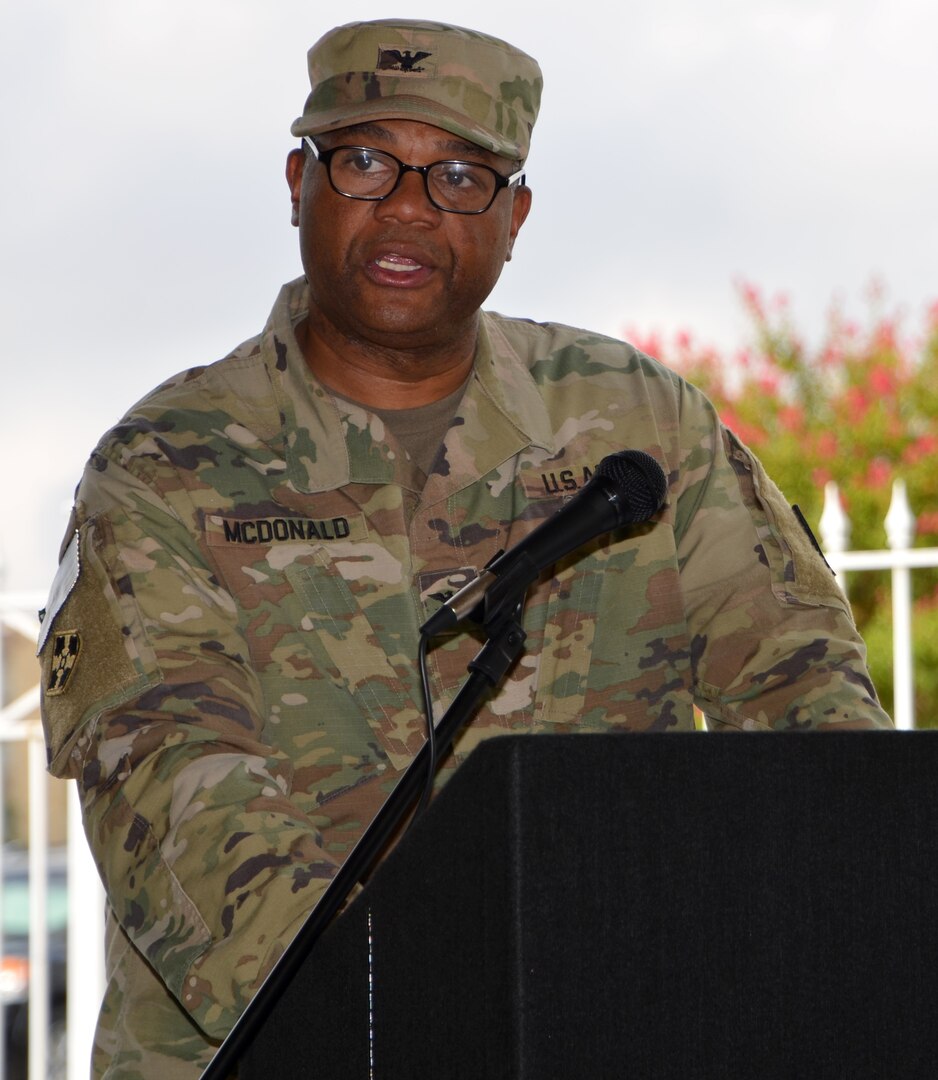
<point x="472" y="85"/>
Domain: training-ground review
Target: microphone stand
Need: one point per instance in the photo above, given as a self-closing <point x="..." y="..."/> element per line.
<point x="505" y="640"/>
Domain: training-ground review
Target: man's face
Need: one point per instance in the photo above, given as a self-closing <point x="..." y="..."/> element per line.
<point x="400" y="273"/>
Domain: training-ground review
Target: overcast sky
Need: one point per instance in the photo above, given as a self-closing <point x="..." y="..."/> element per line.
<point x="144" y="219"/>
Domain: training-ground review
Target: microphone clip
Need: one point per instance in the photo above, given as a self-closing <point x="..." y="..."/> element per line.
<point x="488" y="600"/>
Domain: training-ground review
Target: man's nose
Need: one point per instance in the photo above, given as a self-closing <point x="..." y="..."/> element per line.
<point x="409" y="201"/>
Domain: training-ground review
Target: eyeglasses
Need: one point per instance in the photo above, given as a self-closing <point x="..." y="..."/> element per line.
<point x="458" y="187"/>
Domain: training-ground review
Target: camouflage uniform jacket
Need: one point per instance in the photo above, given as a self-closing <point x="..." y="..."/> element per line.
<point x="231" y="677"/>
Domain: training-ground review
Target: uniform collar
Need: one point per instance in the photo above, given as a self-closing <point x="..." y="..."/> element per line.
<point x="327" y="446"/>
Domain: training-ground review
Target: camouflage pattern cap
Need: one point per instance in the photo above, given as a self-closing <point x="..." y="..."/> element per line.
<point x="472" y="85"/>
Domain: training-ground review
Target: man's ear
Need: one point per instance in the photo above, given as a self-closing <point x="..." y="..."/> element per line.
<point x="520" y="207"/>
<point x="296" y="162"/>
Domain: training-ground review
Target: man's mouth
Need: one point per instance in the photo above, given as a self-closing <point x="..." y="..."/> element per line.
<point x="396" y="269"/>
<point x="397" y="264"/>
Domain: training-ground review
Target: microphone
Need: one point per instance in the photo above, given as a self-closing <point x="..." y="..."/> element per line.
<point x="626" y="489"/>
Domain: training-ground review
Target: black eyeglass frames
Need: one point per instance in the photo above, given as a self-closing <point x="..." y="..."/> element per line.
<point x="458" y="187"/>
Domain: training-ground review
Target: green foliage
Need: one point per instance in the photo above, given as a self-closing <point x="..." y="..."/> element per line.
<point x="861" y="410"/>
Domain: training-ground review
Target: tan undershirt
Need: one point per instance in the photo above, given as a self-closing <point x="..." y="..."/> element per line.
<point x="421" y="430"/>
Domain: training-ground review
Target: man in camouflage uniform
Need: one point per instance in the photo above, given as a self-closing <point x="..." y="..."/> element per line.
<point x="229" y="650"/>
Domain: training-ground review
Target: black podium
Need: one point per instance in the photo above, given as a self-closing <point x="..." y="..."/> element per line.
<point x="640" y="906"/>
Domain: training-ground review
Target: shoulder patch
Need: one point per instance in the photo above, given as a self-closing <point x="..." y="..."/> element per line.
<point x="66" y="648"/>
<point x="97" y="656"/>
<point x="801" y="572"/>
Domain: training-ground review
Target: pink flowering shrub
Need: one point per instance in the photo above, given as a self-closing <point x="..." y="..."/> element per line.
<point x="860" y="409"/>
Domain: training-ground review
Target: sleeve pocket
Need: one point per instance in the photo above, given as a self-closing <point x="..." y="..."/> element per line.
<point x="94" y="653"/>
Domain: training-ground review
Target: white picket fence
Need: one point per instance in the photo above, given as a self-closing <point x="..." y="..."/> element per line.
<point x="19" y="721"/>
<point x="901" y="559"/>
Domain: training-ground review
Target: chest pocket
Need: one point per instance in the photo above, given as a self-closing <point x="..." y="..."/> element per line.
<point x="364" y="638"/>
<point x="328" y="616"/>
<point x="615" y="652"/>
<point x="567" y="647"/>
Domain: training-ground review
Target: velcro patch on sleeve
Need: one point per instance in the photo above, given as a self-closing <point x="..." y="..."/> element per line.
<point x="798" y="566"/>
<point x="94" y="658"/>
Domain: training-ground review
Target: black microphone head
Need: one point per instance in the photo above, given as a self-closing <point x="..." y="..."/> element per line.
<point x="639" y="482"/>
